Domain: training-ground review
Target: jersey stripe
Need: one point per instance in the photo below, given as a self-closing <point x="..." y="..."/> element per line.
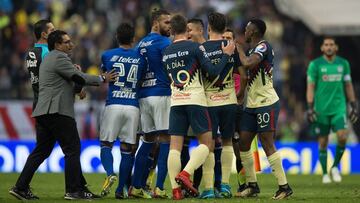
<point x="9" y="127"/>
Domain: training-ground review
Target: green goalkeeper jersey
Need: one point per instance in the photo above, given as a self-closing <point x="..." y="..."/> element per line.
<point x="329" y="79"/>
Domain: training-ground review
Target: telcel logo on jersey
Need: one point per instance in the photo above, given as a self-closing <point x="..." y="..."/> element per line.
<point x="145" y="44"/>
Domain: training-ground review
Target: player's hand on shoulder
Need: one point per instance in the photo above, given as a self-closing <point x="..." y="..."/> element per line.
<point x="82" y="94"/>
<point x="109" y="76"/>
<point x="354" y="111"/>
<point x="77" y="66"/>
<point x="229" y="48"/>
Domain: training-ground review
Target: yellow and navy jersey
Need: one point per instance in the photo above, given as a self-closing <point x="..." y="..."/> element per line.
<point x="260" y="91"/>
<point x="185" y="60"/>
<point x="220" y="90"/>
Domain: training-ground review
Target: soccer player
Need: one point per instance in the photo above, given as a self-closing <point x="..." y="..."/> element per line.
<point x="221" y="100"/>
<point x="328" y="86"/>
<point x="121" y="115"/>
<point x="154" y="106"/>
<point x="229" y="34"/>
<point x="262" y="109"/>
<point x="184" y="60"/>
<point x="195" y="29"/>
<point x="240" y="86"/>
<point x="35" y="55"/>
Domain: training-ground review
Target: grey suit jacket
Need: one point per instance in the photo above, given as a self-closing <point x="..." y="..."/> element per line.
<point x="56" y="87"/>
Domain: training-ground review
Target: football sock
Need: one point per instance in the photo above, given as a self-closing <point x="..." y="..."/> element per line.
<point x="140" y="164"/>
<point x="277" y="168"/>
<point x="247" y="161"/>
<point x="148" y="165"/>
<point x="174" y="167"/>
<point x="240" y="174"/>
<point x="126" y="164"/>
<point x="162" y="165"/>
<point x="226" y="163"/>
<point x="107" y="159"/>
<point x="338" y="154"/>
<point x="197" y="158"/>
<point x="198" y="173"/>
<point x="217" y="169"/>
<point x="185" y="156"/>
<point x="208" y="171"/>
<point x="323" y="160"/>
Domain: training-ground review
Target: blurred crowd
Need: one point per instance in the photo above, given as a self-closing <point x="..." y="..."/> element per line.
<point x="92" y="24"/>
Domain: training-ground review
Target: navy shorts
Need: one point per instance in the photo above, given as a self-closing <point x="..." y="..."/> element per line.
<point x="223" y="119"/>
<point x="262" y="119"/>
<point x="181" y="117"/>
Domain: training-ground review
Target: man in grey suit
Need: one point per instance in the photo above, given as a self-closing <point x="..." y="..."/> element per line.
<point x="59" y="80"/>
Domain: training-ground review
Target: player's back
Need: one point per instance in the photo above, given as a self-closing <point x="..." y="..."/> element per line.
<point x="183" y="65"/>
<point x="155" y="81"/>
<point x="260" y="83"/>
<point x="33" y="59"/>
<point x="220" y="90"/>
<point x="130" y="66"/>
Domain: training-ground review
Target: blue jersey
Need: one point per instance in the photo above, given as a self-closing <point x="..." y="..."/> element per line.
<point x="155" y="81"/>
<point x="130" y="66"/>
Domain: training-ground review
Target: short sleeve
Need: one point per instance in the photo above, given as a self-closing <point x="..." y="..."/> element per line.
<point x="347" y="72"/>
<point x="103" y="63"/>
<point x="311" y="73"/>
<point x="261" y="49"/>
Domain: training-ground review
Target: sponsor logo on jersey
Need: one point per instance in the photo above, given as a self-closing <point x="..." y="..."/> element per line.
<point x="332" y="78"/>
<point x="220" y="97"/>
<point x="340" y="69"/>
<point x="146" y="44"/>
<point x="261" y="48"/>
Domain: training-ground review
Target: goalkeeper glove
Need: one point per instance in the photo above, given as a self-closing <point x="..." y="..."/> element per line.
<point x="311" y="114"/>
<point x="354" y="111"/>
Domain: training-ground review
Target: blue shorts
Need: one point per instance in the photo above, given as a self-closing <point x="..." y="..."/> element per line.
<point x="181" y="117"/>
<point x="223" y="119"/>
<point x="262" y="119"/>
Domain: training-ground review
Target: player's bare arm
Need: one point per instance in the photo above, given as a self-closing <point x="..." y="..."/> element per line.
<point x="243" y="84"/>
<point x="350" y="94"/>
<point x="249" y="62"/>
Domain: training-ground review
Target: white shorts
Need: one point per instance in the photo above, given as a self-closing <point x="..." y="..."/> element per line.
<point x="119" y="121"/>
<point x="155" y="111"/>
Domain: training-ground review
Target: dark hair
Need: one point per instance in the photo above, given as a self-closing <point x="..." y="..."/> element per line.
<point x="178" y="24"/>
<point x="230" y="30"/>
<point x="197" y="21"/>
<point x="125" y="33"/>
<point x="217" y="22"/>
<point x="156" y="13"/>
<point x="55" y="37"/>
<point x="329" y="37"/>
<point x="39" y="27"/>
<point x="260" y="26"/>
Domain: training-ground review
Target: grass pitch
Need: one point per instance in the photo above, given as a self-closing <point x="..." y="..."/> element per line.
<point x="50" y="188"/>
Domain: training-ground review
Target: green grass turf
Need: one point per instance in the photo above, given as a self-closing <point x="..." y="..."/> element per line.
<point x="50" y="188"/>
